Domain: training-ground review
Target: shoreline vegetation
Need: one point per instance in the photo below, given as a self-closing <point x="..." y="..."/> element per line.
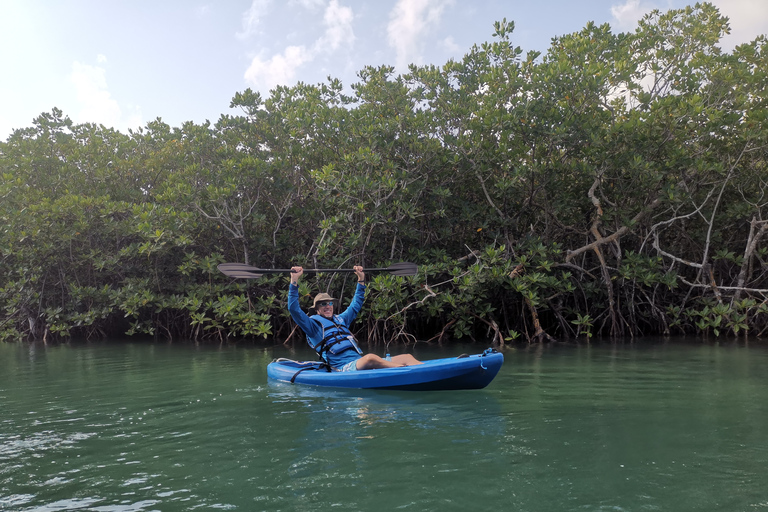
<point x="613" y="186"/>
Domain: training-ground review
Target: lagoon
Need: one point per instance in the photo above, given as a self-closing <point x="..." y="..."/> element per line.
<point x="651" y="424"/>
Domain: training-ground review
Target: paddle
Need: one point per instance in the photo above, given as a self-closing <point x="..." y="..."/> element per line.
<point x="243" y="271"/>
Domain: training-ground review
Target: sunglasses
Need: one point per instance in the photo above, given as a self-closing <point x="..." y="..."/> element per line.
<point x="326" y="303"/>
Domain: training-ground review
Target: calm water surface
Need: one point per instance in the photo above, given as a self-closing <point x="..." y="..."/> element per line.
<point x="141" y="427"/>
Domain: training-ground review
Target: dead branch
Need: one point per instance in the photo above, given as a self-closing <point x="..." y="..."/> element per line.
<point x="488" y="196"/>
<point x="713" y="284"/>
<point x="672" y="257"/>
<point x="233" y="222"/>
<point x="575" y="267"/>
<point x="430" y="294"/>
<point x="539" y="334"/>
<point x="472" y="254"/>
<point x="595" y="230"/>
<point x="752" y="241"/>
<point x="293" y="331"/>
<point x="493" y="325"/>
<point x="762" y="291"/>
<point x="615" y="235"/>
<point x="442" y="332"/>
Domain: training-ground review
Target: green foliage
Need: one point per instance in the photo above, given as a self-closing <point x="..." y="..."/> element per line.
<point x="612" y="185"/>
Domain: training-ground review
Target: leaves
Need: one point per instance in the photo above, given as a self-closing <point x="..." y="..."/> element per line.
<point x="616" y="182"/>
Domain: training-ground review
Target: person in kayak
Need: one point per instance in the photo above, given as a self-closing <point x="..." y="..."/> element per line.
<point x="329" y="334"/>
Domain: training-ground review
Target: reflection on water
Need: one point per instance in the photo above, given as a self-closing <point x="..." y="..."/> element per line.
<point x="369" y="407"/>
<point x="134" y="427"/>
<point x="342" y="418"/>
<point x="355" y="445"/>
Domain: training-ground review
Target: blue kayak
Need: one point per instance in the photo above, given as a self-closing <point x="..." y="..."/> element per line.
<point x="463" y="372"/>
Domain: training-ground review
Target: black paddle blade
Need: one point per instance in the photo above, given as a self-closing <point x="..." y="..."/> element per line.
<point x="239" y="270"/>
<point x="231" y="267"/>
<point x="403" y="269"/>
<point x="242" y="275"/>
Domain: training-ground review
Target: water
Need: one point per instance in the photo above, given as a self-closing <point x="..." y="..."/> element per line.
<point x="143" y="427"/>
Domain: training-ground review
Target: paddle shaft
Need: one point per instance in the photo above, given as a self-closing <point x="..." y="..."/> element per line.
<point x="242" y="270"/>
<point x="315" y="270"/>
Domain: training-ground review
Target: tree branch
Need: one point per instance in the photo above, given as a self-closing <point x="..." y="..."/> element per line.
<point x="617" y="234"/>
<point x="752" y="241"/>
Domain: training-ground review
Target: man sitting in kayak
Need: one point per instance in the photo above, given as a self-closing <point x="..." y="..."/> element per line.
<point x="329" y="334"/>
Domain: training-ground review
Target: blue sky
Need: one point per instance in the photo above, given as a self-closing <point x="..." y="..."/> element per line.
<point x="125" y="63"/>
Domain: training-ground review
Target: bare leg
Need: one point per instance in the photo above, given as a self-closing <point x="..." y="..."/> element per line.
<point x="406" y="359"/>
<point x="371" y="361"/>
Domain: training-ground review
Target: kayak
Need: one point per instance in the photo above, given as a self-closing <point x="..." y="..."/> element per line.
<point x="464" y="372"/>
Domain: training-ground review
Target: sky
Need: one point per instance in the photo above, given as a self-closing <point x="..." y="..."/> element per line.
<point x="124" y="63"/>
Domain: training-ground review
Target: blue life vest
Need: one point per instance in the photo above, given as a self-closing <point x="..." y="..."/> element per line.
<point x="336" y="338"/>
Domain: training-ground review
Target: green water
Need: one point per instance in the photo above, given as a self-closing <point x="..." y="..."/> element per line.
<point x="140" y="427"/>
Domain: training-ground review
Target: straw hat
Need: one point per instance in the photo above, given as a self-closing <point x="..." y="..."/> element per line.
<point x="321" y="297"/>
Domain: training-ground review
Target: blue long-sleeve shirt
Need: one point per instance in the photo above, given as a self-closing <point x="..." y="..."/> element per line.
<point x="314" y="331"/>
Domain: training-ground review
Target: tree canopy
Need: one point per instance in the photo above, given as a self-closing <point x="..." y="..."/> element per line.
<point x="614" y="185"/>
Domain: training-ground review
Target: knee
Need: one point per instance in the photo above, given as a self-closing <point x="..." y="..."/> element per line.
<point x="406" y="359"/>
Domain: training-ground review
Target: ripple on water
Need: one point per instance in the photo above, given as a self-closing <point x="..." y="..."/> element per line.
<point x="566" y="429"/>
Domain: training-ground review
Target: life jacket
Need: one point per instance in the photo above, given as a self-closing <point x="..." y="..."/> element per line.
<point x="336" y="339"/>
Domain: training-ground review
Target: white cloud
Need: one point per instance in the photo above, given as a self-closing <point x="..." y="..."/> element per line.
<point x="627" y="15"/>
<point x="96" y="103"/>
<point x="252" y="18"/>
<point x="202" y="11"/>
<point x="281" y="69"/>
<point x="409" y="21"/>
<point x="338" y="22"/>
<point x="450" y="46"/>
<point x="278" y="70"/>
<point x="748" y="19"/>
<point x="310" y="4"/>
<point x="6" y="127"/>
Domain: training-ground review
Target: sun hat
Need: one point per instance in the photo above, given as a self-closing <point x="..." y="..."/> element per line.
<point x="321" y="297"/>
